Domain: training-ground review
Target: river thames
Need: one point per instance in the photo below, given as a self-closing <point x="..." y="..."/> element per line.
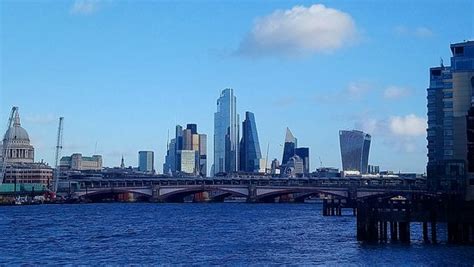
<point x="202" y="234"/>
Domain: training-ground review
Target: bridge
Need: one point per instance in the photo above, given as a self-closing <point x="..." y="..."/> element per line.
<point x="252" y="189"/>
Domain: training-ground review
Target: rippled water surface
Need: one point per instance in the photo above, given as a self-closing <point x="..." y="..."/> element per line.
<point x="232" y="234"/>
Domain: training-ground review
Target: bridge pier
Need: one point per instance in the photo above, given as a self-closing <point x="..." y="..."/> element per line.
<point x="393" y="231"/>
<point x="252" y="195"/>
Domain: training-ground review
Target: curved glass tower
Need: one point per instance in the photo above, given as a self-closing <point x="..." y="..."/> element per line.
<point x="250" y="154"/>
<point x="226" y="133"/>
<point x="355" y="146"/>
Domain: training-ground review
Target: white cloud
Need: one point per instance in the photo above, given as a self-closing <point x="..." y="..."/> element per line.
<point x="423" y="32"/>
<point x="395" y="92"/>
<point x="420" y="31"/>
<point x="358" y="89"/>
<point x="399" y="133"/>
<point x="410" y="125"/>
<point x="299" y="31"/>
<point x="85" y="7"/>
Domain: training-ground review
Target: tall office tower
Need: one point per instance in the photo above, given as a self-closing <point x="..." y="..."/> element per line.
<point x="187" y="139"/>
<point x="250" y="154"/>
<point x="192" y="127"/>
<point x="203" y="155"/>
<point x="226" y="133"/>
<point x="146" y="161"/>
<point x="169" y="167"/>
<point x="303" y="153"/>
<point x="294" y="166"/>
<point x="179" y="154"/>
<point x="291" y="144"/>
<point x="355" y="146"/>
<point x="449" y="100"/>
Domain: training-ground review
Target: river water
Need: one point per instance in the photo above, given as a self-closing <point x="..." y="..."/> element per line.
<point x="202" y="234"/>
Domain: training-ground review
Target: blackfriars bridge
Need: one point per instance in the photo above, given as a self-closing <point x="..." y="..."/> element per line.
<point x="252" y="189"/>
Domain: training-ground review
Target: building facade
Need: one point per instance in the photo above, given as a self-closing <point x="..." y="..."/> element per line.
<point x="450" y="97"/>
<point x="77" y="162"/>
<point x="226" y="133"/>
<point x="146" y="161"/>
<point x="30" y="173"/>
<point x="303" y="153"/>
<point x="250" y="154"/>
<point x="355" y="146"/>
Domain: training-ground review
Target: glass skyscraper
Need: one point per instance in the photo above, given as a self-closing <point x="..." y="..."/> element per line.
<point x="290" y="145"/>
<point x="450" y="96"/>
<point x="250" y="154"/>
<point x="355" y="146"/>
<point x="226" y="133"/>
<point x="187" y="142"/>
<point x="146" y="160"/>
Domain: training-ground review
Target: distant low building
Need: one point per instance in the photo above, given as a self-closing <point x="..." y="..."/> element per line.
<point x="327" y="172"/>
<point x="372" y="169"/>
<point x="77" y="162"/>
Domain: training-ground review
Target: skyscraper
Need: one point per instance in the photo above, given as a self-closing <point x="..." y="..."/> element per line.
<point x="289" y="148"/>
<point x="226" y="133"/>
<point x="449" y="98"/>
<point x="250" y="154"/>
<point x="146" y="160"/>
<point x="186" y="145"/>
<point x="303" y="153"/>
<point x="355" y="146"/>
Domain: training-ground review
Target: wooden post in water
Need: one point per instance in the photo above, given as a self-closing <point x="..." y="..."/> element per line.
<point x="425" y="232"/>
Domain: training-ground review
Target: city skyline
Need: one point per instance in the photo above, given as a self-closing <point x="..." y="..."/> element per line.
<point x="101" y="89"/>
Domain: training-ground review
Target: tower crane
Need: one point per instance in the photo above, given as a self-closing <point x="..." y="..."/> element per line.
<point x="59" y="147"/>
<point x="7" y="144"/>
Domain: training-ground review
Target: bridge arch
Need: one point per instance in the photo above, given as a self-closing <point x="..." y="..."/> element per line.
<point x="178" y="194"/>
<point x="269" y="194"/>
<point x="97" y="194"/>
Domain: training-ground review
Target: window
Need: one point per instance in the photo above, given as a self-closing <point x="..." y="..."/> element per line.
<point x="448" y="94"/>
<point x="458" y="50"/>
<point x="448" y="132"/>
<point x="436" y="72"/>
<point x="448" y="104"/>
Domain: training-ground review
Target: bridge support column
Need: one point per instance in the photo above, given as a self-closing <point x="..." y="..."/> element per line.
<point x="393" y="231"/>
<point x="155" y="193"/>
<point x="404" y="230"/>
<point x="325" y="208"/>
<point x="425" y="232"/>
<point x="252" y="196"/>
<point x="433" y="232"/>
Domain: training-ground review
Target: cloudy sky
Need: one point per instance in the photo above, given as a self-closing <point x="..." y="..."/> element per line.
<point x="123" y="73"/>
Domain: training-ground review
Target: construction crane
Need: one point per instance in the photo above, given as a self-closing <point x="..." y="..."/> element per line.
<point x="59" y="147"/>
<point x="8" y="138"/>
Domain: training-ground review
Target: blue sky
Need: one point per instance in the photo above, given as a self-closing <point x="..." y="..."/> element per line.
<point x="123" y="73"/>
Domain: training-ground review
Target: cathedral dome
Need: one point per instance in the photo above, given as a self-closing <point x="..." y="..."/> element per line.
<point x="16" y="132"/>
